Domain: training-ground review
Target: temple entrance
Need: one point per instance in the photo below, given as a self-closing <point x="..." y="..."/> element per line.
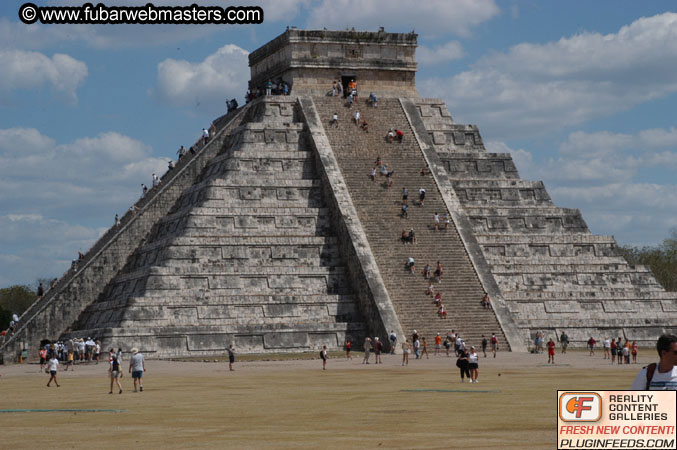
<point x="345" y="79"/>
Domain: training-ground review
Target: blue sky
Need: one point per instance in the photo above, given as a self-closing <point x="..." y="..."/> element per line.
<point x="582" y="93"/>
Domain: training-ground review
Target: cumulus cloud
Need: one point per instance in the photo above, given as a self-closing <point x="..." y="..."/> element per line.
<point x="439" y="54"/>
<point x="38" y="247"/>
<point x="27" y="70"/>
<point x="429" y="17"/>
<point x="542" y="87"/>
<point x="95" y="174"/>
<point x="600" y="174"/>
<point x="206" y="84"/>
<point x="604" y="143"/>
<point x="615" y="156"/>
<point x="53" y="195"/>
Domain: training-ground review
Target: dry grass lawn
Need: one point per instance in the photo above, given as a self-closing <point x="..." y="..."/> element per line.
<point x="294" y="404"/>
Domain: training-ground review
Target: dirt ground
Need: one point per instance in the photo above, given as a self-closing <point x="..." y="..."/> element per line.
<point x="295" y="404"/>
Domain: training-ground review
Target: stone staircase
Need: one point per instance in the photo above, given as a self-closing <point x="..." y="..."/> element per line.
<point x="378" y="208"/>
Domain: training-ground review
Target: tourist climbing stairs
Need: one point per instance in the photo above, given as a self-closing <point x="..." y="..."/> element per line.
<point x="379" y="210"/>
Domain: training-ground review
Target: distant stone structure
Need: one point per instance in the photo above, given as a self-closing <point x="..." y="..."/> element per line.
<point x="311" y="60"/>
<point x="274" y="238"/>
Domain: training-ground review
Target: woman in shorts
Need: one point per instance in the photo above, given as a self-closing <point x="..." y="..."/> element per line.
<point x="52" y="367"/>
<point x="633" y="350"/>
<point x="405" y="352"/>
<point x="115" y="372"/>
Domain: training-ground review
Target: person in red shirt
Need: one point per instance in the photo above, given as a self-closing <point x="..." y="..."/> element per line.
<point x="613" y="351"/>
<point x="551" y="351"/>
<point x="591" y="345"/>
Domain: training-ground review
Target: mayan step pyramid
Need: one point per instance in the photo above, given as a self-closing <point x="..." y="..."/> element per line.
<point x="274" y="236"/>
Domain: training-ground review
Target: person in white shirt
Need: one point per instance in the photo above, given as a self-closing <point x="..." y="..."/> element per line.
<point x="137" y="368"/>
<point x="356" y="116"/>
<point x="52" y="366"/>
<point x="473" y="365"/>
<point x="607" y="348"/>
<point x="661" y="376"/>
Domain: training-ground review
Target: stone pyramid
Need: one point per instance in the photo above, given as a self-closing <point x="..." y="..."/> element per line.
<point x="274" y="237"/>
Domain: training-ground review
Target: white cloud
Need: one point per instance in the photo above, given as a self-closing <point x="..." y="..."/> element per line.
<point x="27" y="139"/>
<point x="50" y="192"/>
<point x="27" y="70"/>
<point x="536" y="88"/>
<point x="101" y="173"/>
<point x="597" y="173"/>
<point x="440" y="54"/>
<point x="621" y="152"/>
<point x="207" y="84"/>
<point x="38" y="247"/>
<point x="429" y="17"/>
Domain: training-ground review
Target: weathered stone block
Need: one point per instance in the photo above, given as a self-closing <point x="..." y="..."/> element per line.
<point x="285" y="340"/>
<point x="202" y="342"/>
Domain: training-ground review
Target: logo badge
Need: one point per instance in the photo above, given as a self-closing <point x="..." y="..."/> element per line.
<point x="580" y="406"/>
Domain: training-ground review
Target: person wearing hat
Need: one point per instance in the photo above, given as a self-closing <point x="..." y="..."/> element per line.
<point x="438" y="344"/>
<point x="137" y="368"/>
<point x="377" y="347"/>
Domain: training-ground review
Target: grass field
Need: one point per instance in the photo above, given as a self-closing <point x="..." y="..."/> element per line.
<point x="293" y="404"/>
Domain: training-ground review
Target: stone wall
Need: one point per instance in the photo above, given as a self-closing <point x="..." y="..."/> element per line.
<point x="51" y="316"/>
<point x="248" y="256"/>
<point x="552" y="273"/>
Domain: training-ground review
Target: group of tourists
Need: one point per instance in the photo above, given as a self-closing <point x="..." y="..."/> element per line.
<point x="270" y="87"/>
<point x="70" y="352"/>
<point x="617" y="351"/>
<point x="467" y="359"/>
<point x="49" y="362"/>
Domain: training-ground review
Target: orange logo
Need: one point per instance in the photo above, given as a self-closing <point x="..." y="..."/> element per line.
<point x="580" y="407"/>
<point x="578" y="404"/>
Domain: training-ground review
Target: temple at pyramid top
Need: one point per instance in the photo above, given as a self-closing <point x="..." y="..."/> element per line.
<point x="310" y="60"/>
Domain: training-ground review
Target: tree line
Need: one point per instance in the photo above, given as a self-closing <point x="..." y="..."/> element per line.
<point x="661" y="259"/>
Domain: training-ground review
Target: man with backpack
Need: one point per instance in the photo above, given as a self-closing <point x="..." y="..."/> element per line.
<point x="661" y="376"/>
<point x="393" y="341"/>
